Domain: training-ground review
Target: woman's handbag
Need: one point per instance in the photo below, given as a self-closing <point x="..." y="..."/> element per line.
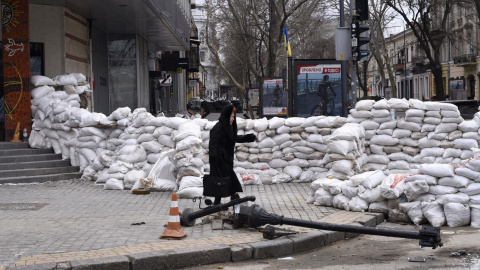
<point x="216" y="186"/>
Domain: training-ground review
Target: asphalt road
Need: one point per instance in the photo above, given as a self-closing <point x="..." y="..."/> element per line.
<point x="378" y="252"/>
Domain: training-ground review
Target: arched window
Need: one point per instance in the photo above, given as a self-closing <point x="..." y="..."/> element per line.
<point x="202" y="36"/>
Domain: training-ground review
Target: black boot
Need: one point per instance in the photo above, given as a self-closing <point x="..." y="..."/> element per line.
<point x="218" y="200"/>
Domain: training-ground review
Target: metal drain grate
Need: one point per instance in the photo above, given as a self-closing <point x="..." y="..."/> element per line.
<point x="22" y="206"/>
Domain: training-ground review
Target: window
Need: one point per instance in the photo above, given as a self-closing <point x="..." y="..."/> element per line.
<point x="37" y="63"/>
<point x="202" y="36"/>
<point x="122" y="71"/>
<point x="202" y="56"/>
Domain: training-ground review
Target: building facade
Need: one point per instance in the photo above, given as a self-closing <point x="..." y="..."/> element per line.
<point x="459" y="60"/>
<point x="115" y="44"/>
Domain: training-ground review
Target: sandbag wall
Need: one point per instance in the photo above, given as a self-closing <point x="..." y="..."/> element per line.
<point x="116" y="150"/>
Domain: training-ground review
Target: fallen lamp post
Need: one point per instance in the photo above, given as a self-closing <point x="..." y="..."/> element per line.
<point x="257" y="216"/>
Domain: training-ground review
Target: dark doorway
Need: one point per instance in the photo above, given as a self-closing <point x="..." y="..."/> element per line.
<point x="471" y="85"/>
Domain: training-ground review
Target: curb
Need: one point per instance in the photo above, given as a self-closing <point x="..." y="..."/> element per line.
<point x="219" y="253"/>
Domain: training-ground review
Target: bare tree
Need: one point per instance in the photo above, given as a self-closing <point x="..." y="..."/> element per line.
<point x="380" y="17"/>
<point x="249" y="35"/>
<point x="428" y="20"/>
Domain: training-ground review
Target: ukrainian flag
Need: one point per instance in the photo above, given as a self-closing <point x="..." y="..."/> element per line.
<point x="287" y="42"/>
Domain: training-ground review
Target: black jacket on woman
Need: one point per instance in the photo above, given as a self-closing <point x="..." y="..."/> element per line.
<point x="221" y="148"/>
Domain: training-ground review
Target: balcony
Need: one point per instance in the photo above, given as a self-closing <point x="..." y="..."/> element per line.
<point x="465" y="59"/>
<point x="418" y="60"/>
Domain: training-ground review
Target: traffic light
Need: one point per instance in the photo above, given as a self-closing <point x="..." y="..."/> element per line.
<point x="361" y="7"/>
<point x="360" y="40"/>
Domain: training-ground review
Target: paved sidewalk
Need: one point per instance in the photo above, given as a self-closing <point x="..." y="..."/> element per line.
<point x="77" y="221"/>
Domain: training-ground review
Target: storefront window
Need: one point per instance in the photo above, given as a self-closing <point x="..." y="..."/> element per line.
<point x="122" y="69"/>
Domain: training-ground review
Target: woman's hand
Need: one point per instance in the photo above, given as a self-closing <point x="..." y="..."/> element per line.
<point x="250" y="137"/>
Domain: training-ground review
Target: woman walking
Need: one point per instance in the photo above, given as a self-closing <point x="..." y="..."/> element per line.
<point x="223" y="137"/>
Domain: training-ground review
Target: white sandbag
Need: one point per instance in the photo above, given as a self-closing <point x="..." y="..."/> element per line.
<point x="278" y="163"/>
<point x="293" y="171"/>
<point x="266" y="143"/>
<point x="251" y="179"/>
<point x="306" y="176"/>
<point x="189" y="142"/>
<point x="432" y="152"/>
<point x="360" y="114"/>
<point x="132" y="153"/>
<point x="299" y="162"/>
<point x="190" y="193"/>
<point x="466" y="144"/>
<point x="430" y="180"/>
<point x="466" y="154"/>
<point x="39" y="80"/>
<point x="434" y="213"/>
<point x="414" y="211"/>
<point x="437" y="170"/>
<point x="281" y="138"/>
<point x="66" y="79"/>
<point x="457" y="214"/>
<point x="447" y="106"/>
<point x="393" y="186"/>
<point x="190" y="181"/>
<point x="398" y="165"/>
<point x="431" y="106"/>
<point x="281" y="178"/>
<point x="260" y="124"/>
<point x="401" y="133"/>
<point x="371" y="179"/>
<point x="455" y="181"/>
<point x="364" y="105"/>
<point x="468" y="126"/>
<point x="426" y="197"/>
<point x="294" y="121"/>
<point x="323" y="198"/>
<point x="113" y="184"/>
<point x="371" y="195"/>
<point x="356" y="204"/>
<point x="342" y="147"/>
<point x="467" y="172"/>
<point x="187" y="129"/>
<point x="409" y="125"/>
<point x="475" y="216"/>
<point x="471" y="190"/>
<point x="442" y="190"/>
<point x="132" y="177"/>
<point x="383" y="140"/>
<point x="276" y="122"/>
<point x="396" y="103"/>
<point x="381" y="104"/>
<point x="378" y="207"/>
<point x="413" y="189"/>
<point x="453" y="198"/>
<point x="351" y="191"/>
<point x="42" y="91"/>
<point x="340" y="201"/>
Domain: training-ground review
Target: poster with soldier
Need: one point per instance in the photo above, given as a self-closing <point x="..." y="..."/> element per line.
<point x="317" y="88"/>
<point x="274" y="97"/>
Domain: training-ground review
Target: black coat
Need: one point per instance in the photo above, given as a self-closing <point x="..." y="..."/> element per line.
<point x="221" y="147"/>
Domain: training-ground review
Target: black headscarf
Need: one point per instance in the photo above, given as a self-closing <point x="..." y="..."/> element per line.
<point x="224" y="119"/>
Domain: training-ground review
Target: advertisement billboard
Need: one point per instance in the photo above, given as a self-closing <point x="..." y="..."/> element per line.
<point x="317" y="88"/>
<point x="273" y="97"/>
<point x="457" y="84"/>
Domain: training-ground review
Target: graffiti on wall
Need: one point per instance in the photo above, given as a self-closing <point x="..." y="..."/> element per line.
<point x="16" y="65"/>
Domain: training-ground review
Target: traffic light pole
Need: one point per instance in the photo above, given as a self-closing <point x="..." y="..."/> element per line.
<point x="353" y="70"/>
<point x="343" y="66"/>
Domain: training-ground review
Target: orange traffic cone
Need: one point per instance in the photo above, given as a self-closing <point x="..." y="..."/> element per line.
<point x="16" y="135"/>
<point x="173" y="230"/>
